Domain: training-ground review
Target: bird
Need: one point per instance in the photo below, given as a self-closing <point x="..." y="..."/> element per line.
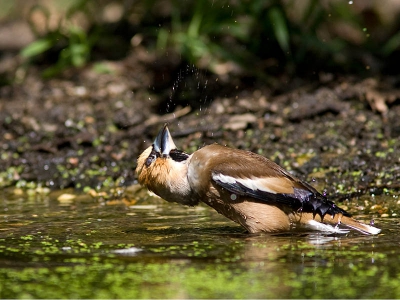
<point x="245" y="187"/>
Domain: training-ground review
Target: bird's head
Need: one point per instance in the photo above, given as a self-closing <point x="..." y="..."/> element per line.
<point x="162" y="168"/>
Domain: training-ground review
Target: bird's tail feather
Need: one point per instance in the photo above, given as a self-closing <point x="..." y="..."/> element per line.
<point x="361" y="227"/>
<point x="335" y="224"/>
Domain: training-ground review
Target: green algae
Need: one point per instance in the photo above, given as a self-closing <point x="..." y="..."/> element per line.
<point x="186" y="279"/>
<point x="88" y="249"/>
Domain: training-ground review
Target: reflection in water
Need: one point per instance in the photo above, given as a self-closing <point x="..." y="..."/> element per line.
<point x="180" y="244"/>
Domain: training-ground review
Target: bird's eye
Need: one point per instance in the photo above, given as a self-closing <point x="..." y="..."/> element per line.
<point x="149" y="160"/>
<point x="152" y="157"/>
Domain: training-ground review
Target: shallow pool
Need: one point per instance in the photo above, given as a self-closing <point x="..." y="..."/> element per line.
<point x="83" y="247"/>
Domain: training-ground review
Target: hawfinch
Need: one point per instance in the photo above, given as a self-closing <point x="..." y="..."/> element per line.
<point x="243" y="186"/>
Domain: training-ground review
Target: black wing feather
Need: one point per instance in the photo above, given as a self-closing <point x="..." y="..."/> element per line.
<point x="305" y="200"/>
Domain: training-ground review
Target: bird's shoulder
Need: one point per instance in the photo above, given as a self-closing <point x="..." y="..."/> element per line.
<point x="238" y="163"/>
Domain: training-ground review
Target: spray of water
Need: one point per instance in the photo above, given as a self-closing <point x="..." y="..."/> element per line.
<point x="182" y="86"/>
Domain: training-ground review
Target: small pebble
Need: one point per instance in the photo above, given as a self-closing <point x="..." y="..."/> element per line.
<point x="66" y="198"/>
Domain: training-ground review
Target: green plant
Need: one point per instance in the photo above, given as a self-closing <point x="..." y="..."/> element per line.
<point x="268" y="36"/>
<point x="71" y="42"/>
<point x="209" y="33"/>
<point x="249" y="37"/>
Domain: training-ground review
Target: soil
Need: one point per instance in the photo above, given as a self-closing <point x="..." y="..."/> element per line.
<point x="86" y="127"/>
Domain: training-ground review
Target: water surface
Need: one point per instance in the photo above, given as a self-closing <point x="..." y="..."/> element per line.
<point x="89" y="248"/>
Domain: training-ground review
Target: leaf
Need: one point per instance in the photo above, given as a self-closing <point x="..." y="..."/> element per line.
<point x="392" y="44"/>
<point x="36" y="48"/>
<point x="280" y="29"/>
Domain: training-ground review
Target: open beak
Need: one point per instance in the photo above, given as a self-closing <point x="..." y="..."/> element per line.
<point x="163" y="143"/>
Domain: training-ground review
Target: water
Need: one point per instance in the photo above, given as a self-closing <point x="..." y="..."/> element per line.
<point x="143" y="247"/>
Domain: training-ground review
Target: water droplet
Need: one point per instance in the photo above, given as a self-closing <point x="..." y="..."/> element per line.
<point x="233" y="197"/>
<point x="69" y="123"/>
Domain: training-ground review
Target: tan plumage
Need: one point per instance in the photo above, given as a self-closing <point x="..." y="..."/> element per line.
<point x="243" y="186"/>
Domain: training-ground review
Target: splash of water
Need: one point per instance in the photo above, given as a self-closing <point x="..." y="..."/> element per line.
<point x="180" y="86"/>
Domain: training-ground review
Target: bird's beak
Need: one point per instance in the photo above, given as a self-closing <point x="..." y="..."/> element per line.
<point x="163" y="143"/>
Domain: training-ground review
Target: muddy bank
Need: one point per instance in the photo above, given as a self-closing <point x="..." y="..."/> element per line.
<point x="87" y="127"/>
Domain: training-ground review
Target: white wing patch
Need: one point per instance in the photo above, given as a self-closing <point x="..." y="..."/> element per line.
<point x="223" y="178"/>
<point x="271" y="185"/>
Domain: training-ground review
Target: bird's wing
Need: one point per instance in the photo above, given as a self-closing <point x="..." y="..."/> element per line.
<point x="265" y="181"/>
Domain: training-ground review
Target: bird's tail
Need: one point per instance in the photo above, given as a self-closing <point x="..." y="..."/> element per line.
<point x="356" y="225"/>
<point x="335" y="224"/>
